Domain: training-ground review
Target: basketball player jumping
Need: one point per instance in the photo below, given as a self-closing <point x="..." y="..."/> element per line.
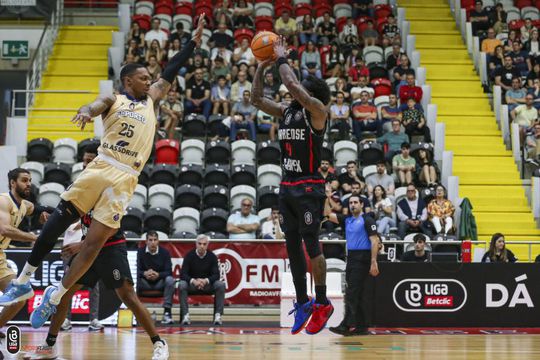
<point x="108" y="182"/>
<point x="301" y="198"/>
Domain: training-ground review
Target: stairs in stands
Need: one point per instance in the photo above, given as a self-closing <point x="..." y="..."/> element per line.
<point x="487" y="173"/>
<point x="78" y="62"/>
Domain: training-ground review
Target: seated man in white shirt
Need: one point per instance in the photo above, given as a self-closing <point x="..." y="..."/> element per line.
<point x="156" y="34"/>
<point x="243" y="224"/>
<point x="271" y="229"/>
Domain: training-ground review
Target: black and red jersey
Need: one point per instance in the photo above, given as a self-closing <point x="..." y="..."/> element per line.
<point x="117" y="238"/>
<point x="301" y="147"/>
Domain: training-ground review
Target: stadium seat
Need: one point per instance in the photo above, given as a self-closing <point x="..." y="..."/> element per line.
<point x="76" y="170"/>
<point x="243" y="152"/>
<point x="144" y="8"/>
<point x="264" y="214"/>
<point x="327" y="152"/>
<point x="131" y="235"/>
<point x="267" y="197"/>
<point x="163" y="174"/>
<point x="184" y="235"/>
<point x="512" y="13"/>
<point x="264" y="9"/>
<point x="217" y="174"/>
<point x="161" y="235"/>
<point x="268" y="152"/>
<point x="214" y="219"/>
<point x="143" y="20"/>
<point x="373" y="54"/>
<point x="49" y="194"/>
<point x="144" y="176"/>
<point x="194" y="125"/>
<point x="268" y="175"/>
<point x="400" y="193"/>
<point x="370" y="153"/>
<point x="214" y="123"/>
<point x="530" y="12"/>
<point x="186" y="219"/>
<point x="264" y="23"/>
<point x="37" y="171"/>
<point x="382" y="86"/>
<point x="157" y="219"/>
<point x="216" y="235"/>
<point x="166" y="21"/>
<point x="192" y="152"/>
<point x="426" y="146"/>
<point x="342" y="10"/>
<point x="241" y="34"/>
<point x="243" y="175"/>
<point x="186" y="20"/>
<point x="190" y="174"/>
<point x="335" y="265"/>
<point x="164" y="7"/>
<point x="345" y="151"/>
<point x="303" y="9"/>
<point x="167" y="151"/>
<point x="65" y="151"/>
<point x="240" y="192"/>
<point x="132" y="220"/>
<point x="216" y="196"/>
<point x="39" y="150"/>
<point x="369" y="170"/>
<point x="184" y="8"/>
<point x="522" y="4"/>
<point x="281" y="7"/>
<point x="161" y="195"/>
<point x="188" y="196"/>
<point x="57" y="172"/>
<point x="218" y="152"/>
<point x="139" y="198"/>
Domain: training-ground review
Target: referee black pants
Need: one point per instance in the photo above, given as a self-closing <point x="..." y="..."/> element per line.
<point x="356" y="272"/>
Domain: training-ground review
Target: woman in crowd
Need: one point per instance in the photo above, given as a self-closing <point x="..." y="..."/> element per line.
<point x="441" y="211"/>
<point x="334" y="60"/>
<point x="156" y="51"/>
<point x="383" y="209"/>
<point x="498" y="253"/>
<point x="137" y="34"/>
<point x="306" y="30"/>
<point x="339" y="116"/>
<point x="426" y="168"/>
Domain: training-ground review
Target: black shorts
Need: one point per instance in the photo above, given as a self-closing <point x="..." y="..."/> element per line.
<point x="111" y="266"/>
<point x="301" y="207"/>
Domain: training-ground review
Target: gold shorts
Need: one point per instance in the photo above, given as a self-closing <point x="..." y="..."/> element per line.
<point x="5" y="270"/>
<point x="103" y="188"/>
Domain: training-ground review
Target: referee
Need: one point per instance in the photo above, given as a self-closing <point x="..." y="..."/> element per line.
<point x="362" y="248"/>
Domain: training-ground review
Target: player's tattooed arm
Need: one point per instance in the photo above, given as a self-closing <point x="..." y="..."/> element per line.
<point x="9" y="231"/>
<point x="98" y="107"/>
<point x="257" y="96"/>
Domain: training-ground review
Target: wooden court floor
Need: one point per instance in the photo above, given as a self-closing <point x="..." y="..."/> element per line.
<point x="253" y="344"/>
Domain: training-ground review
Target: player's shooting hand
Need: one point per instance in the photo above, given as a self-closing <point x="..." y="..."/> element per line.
<point x="280" y="47"/>
<point x="81" y="119"/>
<point x="197" y="37"/>
<point x="71" y="250"/>
<point x="266" y="63"/>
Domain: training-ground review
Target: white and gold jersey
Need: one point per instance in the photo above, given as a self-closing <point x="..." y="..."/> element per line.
<point x="16" y="215"/>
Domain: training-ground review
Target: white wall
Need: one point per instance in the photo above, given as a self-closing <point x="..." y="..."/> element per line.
<point x="8" y="161"/>
<point x="31" y="35"/>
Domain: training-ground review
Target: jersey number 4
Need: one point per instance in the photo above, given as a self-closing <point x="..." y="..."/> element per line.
<point x="127" y="130"/>
<point x="288" y="148"/>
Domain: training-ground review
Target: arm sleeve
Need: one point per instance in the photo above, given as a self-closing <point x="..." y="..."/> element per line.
<point x="185" y="269"/>
<point x="167" y="269"/>
<point x="214" y="273"/>
<point x="370" y="225"/>
<point x="178" y="60"/>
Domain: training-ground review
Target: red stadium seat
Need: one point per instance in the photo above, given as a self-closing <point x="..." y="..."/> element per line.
<point x="323" y="51"/>
<point x="516" y="24"/>
<point x="241" y="34"/>
<point x="164" y="7"/>
<point x="361" y="23"/>
<point x="303" y="9"/>
<point x="144" y="21"/>
<point x="300" y="50"/>
<point x="341" y="2"/>
<point x="167" y="151"/>
<point x="467" y="4"/>
<point x="537" y="4"/>
<point x="381" y="86"/>
<point x="264" y="23"/>
<point x="380" y="24"/>
<point x="184" y="8"/>
<point x="522" y="3"/>
<point x="321" y="9"/>
<point x="281" y="7"/>
<point x="382" y="11"/>
<point x="340" y="23"/>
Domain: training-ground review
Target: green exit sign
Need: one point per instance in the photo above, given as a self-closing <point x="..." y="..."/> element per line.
<point x="15" y="49"/>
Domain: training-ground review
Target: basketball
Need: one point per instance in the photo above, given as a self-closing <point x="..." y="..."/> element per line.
<point x="262" y="45"/>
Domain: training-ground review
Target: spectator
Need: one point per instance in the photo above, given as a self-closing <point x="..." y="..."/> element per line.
<point x="242" y="14"/>
<point x="512" y="36"/>
<point x="370" y="34"/>
<point x="326" y="30"/>
<point x="171" y="113"/>
<point x="137" y="34"/>
<point x="526" y="29"/>
<point x="519" y="58"/>
<point x="412" y="213"/>
<point x="535" y="89"/>
<point x="334" y="60"/>
<point x="390" y="32"/>
<point x="271" y="229"/>
<point x="242" y="55"/>
<point x="401" y="71"/>
<point x="198" y="63"/>
<point x="499" y="19"/>
<point x="221" y="97"/>
<point x="270" y="87"/>
<point x="135" y="51"/>
<point x="239" y="87"/>
<point x="200" y="275"/>
<point x="220" y="69"/>
<point x="243" y="224"/>
<point x="532" y="48"/>
<point x="410" y="90"/>
<point x="349" y="33"/>
<point x="490" y="43"/>
<point x="311" y="61"/>
<point x="357" y="71"/>
<point x="154" y="272"/>
<point x="306" y="30"/>
<point x="525" y="115"/>
<point x="496" y="61"/>
<point x="390" y="113"/>
<point x="328" y="176"/>
<point x="333" y="204"/>
<point x="394" y="58"/>
<point x="414" y="122"/>
<point x="381" y="178"/>
<point x="441" y="211"/>
<point x="404" y="165"/>
<point x="174" y="49"/>
<point x="266" y="123"/>
<point x="198" y="95"/>
<point x="220" y="38"/>
<point x="341" y="86"/>
<point x="223" y="53"/>
<point x="363" y="8"/>
<point x="357" y="189"/>
<point x="156" y="34"/>
<point x="362" y="85"/>
<point x="364" y="116"/>
<point x="479" y="18"/>
<point x="238" y="122"/>
<point x="383" y="209"/>
<point x="245" y="107"/>
<point x="180" y="34"/>
<point x="153" y="68"/>
<point x="223" y="12"/>
<point x="516" y="95"/>
<point x="532" y="143"/>
<point x="498" y="253"/>
<point x="155" y="50"/>
<point x="393" y="139"/>
<point x="350" y="62"/>
<point x="350" y="176"/>
<point x="426" y="168"/>
<point x="339" y="117"/>
<point x="504" y="75"/>
<point x="286" y="27"/>
<point x="419" y="254"/>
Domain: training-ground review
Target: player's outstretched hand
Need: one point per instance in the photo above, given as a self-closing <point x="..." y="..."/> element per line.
<point x="280" y="47"/>
<point x="197" y="37"/>
<point x="266" y="63"/>
<point x="81" y="119"/>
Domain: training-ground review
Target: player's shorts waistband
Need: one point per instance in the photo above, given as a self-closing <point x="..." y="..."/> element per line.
<point x="117" y="164"/>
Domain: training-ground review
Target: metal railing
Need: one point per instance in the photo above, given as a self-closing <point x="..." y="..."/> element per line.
<point x="41" y="56"/>
<point x="18" y="111"/>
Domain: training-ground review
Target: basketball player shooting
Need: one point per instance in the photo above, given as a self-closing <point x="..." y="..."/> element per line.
<point x="302" y="126"/>
<point x="106" y="185"/>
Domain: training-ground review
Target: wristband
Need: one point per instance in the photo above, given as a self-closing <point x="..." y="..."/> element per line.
<point x="282" y="60"/>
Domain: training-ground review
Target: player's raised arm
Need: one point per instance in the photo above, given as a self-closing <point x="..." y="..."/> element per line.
<point x="257" y="96"/>
<point x="161" y="87"/>
<point x="86" y="112"/>
<point x="317" y="109"/>
<point x="9" y="231"/>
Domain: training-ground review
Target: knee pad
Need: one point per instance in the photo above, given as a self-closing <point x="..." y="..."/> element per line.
<point x="313" y="247"/>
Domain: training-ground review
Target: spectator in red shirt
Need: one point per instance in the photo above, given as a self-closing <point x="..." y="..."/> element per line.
<point x="364" y="116"/>
<point x="410" y="90"/>
<point x="359" y="69"/>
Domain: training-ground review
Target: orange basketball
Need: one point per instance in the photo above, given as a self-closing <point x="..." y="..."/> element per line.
<point x="262" y="45"/>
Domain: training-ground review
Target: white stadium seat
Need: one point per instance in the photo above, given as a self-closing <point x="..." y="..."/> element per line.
<point x="369" y="170"/>
<point x="139" y="198"/>
<point x="373" y="54"/>
<point x="240" y="192"/>
<point x="342" y="10"/>
<point x="269" y="175"/>
<point x="264" y="214"/>
<point x="192" y="152"/>
<point x="161" y="195"/>
<point x="344" y="151"/>
<point x="37" y="170"/>
<point x="264" y="9"/>
<point x="186" y="219"/>
<point x="186" y="20"/>
<point x="243" y="152"/>
<point x="161" y="236"/>
<point x="530" y="12"/>
<point x="65" y="151"/>
<point x="49" y="194"/>
<point x="166" y="21"/>
<point x="76" y="170"/>
<point x="144" y="8"/>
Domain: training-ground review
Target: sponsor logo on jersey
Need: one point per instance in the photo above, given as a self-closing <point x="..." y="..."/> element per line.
<point x="120" y="148"/>
<point x="292" y="165"/>
<point x="122" y="143"/>
<point x="292" y="134"/>
<point x="132" y="115"/>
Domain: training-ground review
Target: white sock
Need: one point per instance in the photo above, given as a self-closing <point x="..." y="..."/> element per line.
<point x="57" y="294"/>
<point x="25" y="274"/>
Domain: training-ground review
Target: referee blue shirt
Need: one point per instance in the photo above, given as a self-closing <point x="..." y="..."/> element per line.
<point x="358" y="230"/>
